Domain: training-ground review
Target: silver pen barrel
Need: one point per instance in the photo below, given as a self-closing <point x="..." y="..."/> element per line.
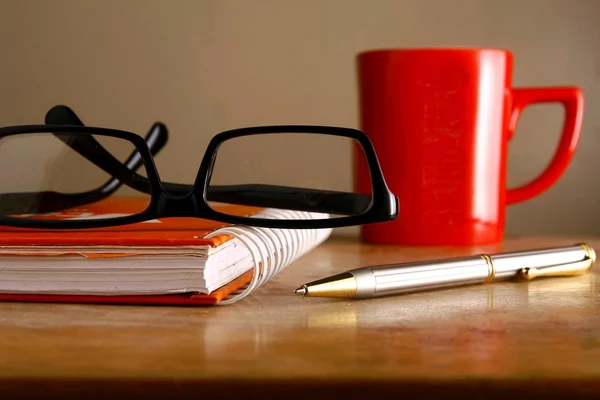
<point x="428" y="275"/>
<point x="420" y="276"/>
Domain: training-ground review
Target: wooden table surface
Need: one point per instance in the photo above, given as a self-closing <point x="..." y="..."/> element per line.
<point x="486" y="341"/>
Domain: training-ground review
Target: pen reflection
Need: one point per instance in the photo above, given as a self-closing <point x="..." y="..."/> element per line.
<point x="571" y="303"/>
<point x="483" y="328"/>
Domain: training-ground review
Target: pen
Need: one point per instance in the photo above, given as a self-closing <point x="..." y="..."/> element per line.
<point x="418" y="276"/>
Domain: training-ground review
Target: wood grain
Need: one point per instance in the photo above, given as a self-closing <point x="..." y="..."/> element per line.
<point x="540" y="337"/>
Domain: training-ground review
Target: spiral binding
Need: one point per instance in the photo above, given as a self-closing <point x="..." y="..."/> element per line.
<point x="272" y="249"/>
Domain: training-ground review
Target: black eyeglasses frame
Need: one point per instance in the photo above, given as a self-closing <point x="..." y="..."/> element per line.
<point x="163" y="204"/>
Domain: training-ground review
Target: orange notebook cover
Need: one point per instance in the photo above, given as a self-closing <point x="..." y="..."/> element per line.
<point x="166" y="232"/>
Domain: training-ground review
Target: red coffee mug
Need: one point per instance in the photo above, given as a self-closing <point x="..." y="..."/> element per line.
<point x="440" y="121"/>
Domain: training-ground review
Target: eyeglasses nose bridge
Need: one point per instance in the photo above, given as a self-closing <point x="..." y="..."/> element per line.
<point x="185" y="206"/>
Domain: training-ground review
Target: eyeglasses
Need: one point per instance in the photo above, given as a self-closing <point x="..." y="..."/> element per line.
<point x="30" y="196"/>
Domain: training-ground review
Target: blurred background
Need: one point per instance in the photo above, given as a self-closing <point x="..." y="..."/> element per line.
<point x="204" y="66"/>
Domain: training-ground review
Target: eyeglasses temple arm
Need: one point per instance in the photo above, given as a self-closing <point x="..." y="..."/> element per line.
<point x="156" y="139"/>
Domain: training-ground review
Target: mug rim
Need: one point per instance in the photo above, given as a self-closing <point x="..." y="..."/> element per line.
<point x="449" y="49"/>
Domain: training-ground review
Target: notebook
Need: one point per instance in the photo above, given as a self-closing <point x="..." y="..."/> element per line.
<point x="174" y="261"/>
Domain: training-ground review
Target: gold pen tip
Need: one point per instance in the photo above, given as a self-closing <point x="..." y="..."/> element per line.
<point x="301" y="290"/>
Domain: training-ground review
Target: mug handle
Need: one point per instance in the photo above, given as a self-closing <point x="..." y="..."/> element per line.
<point x="572" y="100"/>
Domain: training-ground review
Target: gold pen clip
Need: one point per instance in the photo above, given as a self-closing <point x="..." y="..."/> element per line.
<point x="567" y="269"/>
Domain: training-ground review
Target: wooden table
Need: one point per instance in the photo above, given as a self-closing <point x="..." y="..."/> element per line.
<point x="489" y="341"/>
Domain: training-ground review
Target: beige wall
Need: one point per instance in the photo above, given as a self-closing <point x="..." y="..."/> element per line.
<point x="206" y="66"/>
